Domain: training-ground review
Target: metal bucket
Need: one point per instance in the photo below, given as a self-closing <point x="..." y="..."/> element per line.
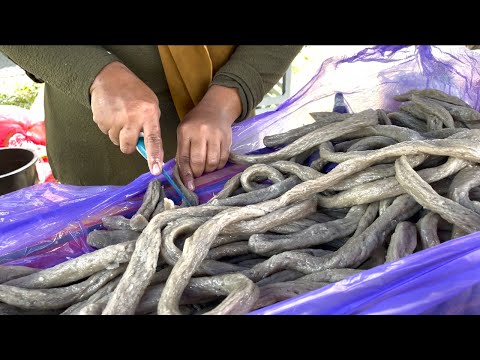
<point x="17" y="169"/>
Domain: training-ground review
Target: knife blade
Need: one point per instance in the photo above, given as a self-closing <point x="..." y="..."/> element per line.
<point x="142" y="150"/>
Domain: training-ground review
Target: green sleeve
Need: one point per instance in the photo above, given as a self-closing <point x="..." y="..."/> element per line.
<point x="69" y="68"/>
<point x="254" y="70"/>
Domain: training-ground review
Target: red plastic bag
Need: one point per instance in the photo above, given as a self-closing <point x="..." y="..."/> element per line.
<point x="17" y="120"/>
<point x="24" y="128"/>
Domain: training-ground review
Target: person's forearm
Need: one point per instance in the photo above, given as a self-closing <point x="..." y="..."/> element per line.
<point x="253" y="70"/>
<point x="69" y="68"/>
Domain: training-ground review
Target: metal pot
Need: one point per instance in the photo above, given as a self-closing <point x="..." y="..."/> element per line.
<point x="17" y="169"/>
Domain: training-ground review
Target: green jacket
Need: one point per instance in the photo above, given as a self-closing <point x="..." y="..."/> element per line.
<point x="78" y="152"/>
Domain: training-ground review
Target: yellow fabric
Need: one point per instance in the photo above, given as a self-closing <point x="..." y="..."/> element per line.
<point x="189" y="69"/>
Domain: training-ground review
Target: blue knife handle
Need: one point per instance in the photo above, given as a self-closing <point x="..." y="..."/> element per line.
<point x="141" y="149"/>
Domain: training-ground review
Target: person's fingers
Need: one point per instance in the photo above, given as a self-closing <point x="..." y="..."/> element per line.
<point x="101" y="118"/>
<point x="224" y="153"/>
<point x="114" y="135"/>
<point x="213" y="156"/>
<point x="103" y="126"/>
<point x="104" y="129"/>
<point x="154" y="146"/>
<point x="183" y="161"/>
<point x="128" y="137"/>
<point x="198" y="155"/>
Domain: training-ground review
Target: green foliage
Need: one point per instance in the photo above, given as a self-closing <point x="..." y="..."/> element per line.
<point x="23" y="96"/>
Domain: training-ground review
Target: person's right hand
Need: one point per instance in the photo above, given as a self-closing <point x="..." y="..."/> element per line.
<point x="122" y="107"/>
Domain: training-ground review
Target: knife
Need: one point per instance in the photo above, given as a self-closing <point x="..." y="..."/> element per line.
<point x="142" y="150"/>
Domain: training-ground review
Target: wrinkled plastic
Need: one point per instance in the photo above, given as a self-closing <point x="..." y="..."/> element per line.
<point x="369" y="79"/>
<point x="42" y="226"/>
<point x="17" y="120"/>
<point x="36" y="220"/>
<point x="442" y="280"/>
<point x="25" y="128"/>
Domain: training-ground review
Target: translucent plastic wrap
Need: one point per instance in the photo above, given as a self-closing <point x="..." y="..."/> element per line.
<point x="47" y="224"/>
<point x="442" y="280"/>
<point x="369" y="79"/>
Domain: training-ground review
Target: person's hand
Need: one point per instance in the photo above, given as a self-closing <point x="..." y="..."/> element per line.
<point x="204" y="137"/>
<point x="122" y="107"/>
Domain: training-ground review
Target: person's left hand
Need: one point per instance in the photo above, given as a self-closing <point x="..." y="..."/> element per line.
<point x="204" y="137"/>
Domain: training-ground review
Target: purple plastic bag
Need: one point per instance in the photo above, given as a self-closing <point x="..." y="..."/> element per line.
<point x="369" y="79"/>
<point x="444" y="279"/>
<point x="37" y="220"/>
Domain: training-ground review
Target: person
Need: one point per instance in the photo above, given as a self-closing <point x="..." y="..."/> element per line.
<point x="98" y="99"/>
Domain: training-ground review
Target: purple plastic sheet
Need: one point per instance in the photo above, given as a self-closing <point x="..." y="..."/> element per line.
<point x="47" y="224"/>
<point x="444" y="279"/>
<point x="369" y="79"/>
